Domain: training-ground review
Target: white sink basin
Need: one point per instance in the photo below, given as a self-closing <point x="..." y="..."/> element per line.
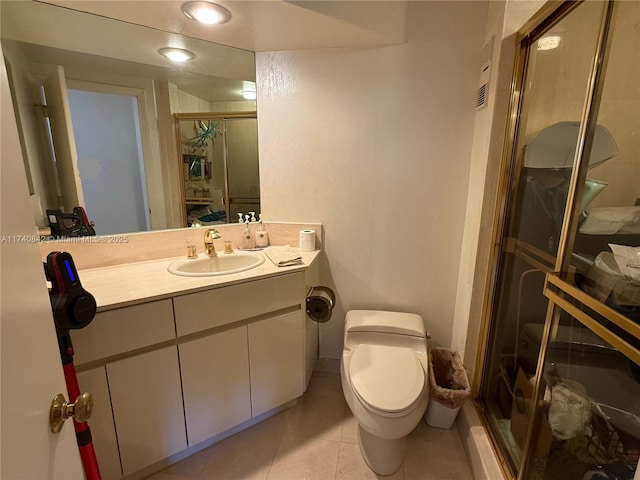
<point x="223" y="264"/>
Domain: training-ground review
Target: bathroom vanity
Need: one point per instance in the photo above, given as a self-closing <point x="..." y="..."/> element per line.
<point x="175" y="364"/>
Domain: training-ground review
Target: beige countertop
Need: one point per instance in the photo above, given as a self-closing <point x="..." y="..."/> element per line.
<point x="128" y="284"/>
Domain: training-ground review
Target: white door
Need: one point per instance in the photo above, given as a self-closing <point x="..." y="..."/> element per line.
<point x="30" y="367"/>
<point x="64" y="143"/>
<point x="106" y="127"/>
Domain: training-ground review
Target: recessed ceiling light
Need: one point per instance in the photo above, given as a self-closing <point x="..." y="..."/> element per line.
<point x="177" y="55"/>
<point x="249" y="94"/>
<point x="206" y="12"/>
<point x="549" y="43"/>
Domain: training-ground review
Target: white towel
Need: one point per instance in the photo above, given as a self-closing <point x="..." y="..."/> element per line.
<point x="284" y="256"/>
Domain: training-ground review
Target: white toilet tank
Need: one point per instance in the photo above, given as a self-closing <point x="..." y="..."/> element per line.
<point x="383" y="328"/>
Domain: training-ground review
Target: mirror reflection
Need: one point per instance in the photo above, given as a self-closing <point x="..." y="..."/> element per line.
<point x="219" y="167"/>
<point x="98" y="110"/>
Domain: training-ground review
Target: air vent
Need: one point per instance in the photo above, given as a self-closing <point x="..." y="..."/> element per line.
<point x="481" y="98"/>
<point x="482" y="94"/>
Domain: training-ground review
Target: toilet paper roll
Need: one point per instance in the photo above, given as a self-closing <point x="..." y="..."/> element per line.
<point x="307" y="240"/>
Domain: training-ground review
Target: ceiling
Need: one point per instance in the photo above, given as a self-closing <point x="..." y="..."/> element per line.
<point x="268" y="25"/>
<point x="49" y="35"/>
<point x="124" y="35"/>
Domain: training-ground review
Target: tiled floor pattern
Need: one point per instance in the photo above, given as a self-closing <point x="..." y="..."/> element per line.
<point x="317" y="440"/>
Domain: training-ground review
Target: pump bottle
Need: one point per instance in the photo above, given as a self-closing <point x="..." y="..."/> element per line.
<point x="262" y="237"/>
<point x="248" y="242"/>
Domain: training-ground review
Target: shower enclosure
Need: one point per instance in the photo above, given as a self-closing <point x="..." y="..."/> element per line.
<point x="560" y="385"/>
<point x="218" y="156"/>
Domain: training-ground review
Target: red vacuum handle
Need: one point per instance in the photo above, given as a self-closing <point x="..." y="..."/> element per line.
<point x="83" y="433"/>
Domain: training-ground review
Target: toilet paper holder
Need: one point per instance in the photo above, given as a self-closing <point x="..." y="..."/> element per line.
<point x="320" y="303"/>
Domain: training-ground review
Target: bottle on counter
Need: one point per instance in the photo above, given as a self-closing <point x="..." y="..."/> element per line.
<point x="262" y="237"/>
<point x="248" y="242"/>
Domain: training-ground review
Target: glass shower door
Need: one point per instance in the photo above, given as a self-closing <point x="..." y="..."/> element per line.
<point x="557" y="61"/>
<point x="588" y="422"/>
<point x="241" y="141"/>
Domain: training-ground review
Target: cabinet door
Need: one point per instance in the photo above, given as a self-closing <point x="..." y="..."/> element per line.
<point x="147" y="407"/>
<point x="276" y="358"/>
<point x="101" y="423"/>
<point x="215" y="381"/>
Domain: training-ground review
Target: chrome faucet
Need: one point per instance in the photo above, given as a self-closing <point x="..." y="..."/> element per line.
<point x="209" y="236"/>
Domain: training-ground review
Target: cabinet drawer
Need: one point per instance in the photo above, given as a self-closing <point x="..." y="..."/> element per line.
<point x="118" y="331"/>
<point x="213" y="308"/>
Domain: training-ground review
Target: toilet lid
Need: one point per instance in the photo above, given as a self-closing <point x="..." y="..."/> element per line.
<point x="389" y="379"/>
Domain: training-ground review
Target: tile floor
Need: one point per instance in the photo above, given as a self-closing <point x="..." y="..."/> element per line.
<point x="317" y="440"/>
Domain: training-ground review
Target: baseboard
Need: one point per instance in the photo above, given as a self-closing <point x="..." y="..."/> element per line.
<point x="482" y="458"/>
<point x="327" y="365"/>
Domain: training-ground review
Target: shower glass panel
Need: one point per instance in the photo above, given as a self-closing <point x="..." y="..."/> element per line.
<point x="241" y="140"/>
<point x="552" y="101"/>
<point x="589" y="427"/>
<point x="605" y="251"/>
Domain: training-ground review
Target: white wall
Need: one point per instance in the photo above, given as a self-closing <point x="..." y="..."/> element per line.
<point x="183" y="102"/>
<point x="375" y="144"/>
<point x="35" y="151"/>
<point x="478" y="168"/>
<point x="504" y="19"/>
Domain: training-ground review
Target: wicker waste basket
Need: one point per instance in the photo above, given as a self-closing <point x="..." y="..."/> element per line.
<point x="449" y="387"/>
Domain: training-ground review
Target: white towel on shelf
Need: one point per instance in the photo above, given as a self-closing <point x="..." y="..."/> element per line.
<point x="284" y="256"/>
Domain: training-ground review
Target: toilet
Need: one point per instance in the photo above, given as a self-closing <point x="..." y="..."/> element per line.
<point x="385" y="381"/>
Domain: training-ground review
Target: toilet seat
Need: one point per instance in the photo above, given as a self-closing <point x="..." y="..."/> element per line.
<point x="387" y="379"/>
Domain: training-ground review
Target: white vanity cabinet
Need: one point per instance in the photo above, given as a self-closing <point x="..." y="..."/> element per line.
<point x="170" y="374"/>
<point x="146" y="396"/>
<point x="103" y="431"/>
<point x="269" y="344"/>
<point x="215" y="383"/>
<point x="123" y="390"/>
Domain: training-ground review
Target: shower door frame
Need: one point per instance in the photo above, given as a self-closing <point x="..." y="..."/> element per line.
<point x="555" y="285"/>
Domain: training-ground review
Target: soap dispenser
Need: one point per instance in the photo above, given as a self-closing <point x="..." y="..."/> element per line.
<point x="262" y="237"/>
<point x="248" y="242"/>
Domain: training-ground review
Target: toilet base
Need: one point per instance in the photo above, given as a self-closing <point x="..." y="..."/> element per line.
<point x="382" y="456"/>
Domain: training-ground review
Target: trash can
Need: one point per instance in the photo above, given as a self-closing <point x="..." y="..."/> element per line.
<point x="449" y="387"/>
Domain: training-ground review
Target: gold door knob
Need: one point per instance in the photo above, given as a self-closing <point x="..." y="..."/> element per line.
<point x="81" y="410"/>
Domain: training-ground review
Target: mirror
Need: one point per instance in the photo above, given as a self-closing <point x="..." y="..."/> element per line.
<point x="106" y="139"/>
<point x="219" y="167"/>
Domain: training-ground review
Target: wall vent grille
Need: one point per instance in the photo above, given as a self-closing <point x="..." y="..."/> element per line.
<point x="481" y="97"/>
<point x="482" y="94"/>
